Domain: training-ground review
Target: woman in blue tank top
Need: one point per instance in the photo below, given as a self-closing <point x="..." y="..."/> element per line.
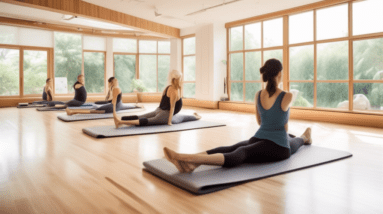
<point x="270" y="143"/>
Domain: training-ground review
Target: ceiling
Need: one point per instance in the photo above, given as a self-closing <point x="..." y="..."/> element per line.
<point x="174" y="11"/>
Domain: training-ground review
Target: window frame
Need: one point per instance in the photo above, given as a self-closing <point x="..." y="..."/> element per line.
<point x="182" y="64"/>
<point x="21" y="49"/>
<point x="350" y="38"/>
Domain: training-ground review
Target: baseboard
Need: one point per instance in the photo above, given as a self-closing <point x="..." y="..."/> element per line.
<point x="200" y="103"/>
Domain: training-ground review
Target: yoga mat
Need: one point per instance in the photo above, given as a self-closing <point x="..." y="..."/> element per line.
<point x="31" y="106"/>
<point x="207" y="179"/>
<point x="80" y="117"/>
<point x="111" y="131"/>
<point x="84" y="106"/>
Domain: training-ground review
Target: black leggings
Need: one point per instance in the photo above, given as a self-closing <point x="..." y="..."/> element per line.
<point x="256" y="150"/>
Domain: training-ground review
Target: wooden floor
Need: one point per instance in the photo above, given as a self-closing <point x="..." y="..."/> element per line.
<point x="49" y="166"/>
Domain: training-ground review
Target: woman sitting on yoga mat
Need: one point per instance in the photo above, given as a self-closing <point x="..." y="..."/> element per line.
<point x="270" y="143"/>
<point x="79" y="95"/>
<point x="115" y="102"/>
<point x="166" y="113"/>
<point x="47" y="94"/>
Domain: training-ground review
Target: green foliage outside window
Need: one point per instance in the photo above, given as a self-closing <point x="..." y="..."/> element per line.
<point x="9" y="72"/>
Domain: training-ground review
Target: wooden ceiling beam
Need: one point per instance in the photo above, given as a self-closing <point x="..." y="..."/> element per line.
<point x="85" y="9"/>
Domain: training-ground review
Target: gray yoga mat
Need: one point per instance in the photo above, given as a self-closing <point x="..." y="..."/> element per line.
<point x="32" y="106"/>
<point x="111" y="131"/>
<point x="80" y="117"/>
<point x="207" y="179"/>
<point x="84" y="106"/>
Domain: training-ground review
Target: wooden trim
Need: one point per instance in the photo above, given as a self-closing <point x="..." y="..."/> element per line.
<point x="315" y="58"/>
<point x="290" y="11"/>
<point x="200" y="103"/>
<point x="21" y="72"/>
<point x="187" y="36"/>
<point x="71" y="29"/>
<point x="85" y="9"/>
<point x="367" y="81"/>
<point x="286" y="59"/>
<point x="350" y="61"/>
<point x="243" y="64"/>
<point x="182" y="64"/>
<point x="257" y="50"/>
<point x="227" y="64"/>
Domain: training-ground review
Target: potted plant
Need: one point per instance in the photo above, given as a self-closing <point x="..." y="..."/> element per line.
<point x="138" y="87"/>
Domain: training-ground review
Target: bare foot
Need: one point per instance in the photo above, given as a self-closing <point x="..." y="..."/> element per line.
<point x="117" y="122"/>
<point x="190" y="167"/>
<point x="197" y="115"/>
<point x="68" y="111"/>
<point x="307" y="136"/>
<point x="170" y="155"/>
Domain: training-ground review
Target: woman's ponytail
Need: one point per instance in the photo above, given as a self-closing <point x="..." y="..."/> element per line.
<point x="269" y="71"/>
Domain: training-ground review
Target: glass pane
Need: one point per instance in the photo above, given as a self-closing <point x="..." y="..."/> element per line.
<point x="189" y="46"/>
<point x="273" y="33"/>
<point x="125" y="71"/>
<point x="253" y="36"/>
<point x="368" y="96"/>
<point x="94" y="43"/>
<point x="68" y="61"/>
<point x="163" y="70"/>
<point x="297" y="33"/>
<point x="368" y="59"/>
<point x="332" y="95"/>
<point x="276" y="54"/>
<point x="253" y="63"/>
<point x="236" y="66"/>
<point x="236" y="38"/>
<point x="35" y="71"/>
<point x="8" y="35"/>
<point x="163" y="47"/>
<point x="302" y="63"/>
<point x="189" y="68"/>
<point x="148" y="46"/>
<point x="251" y="89"/>
<point x="332" y="22"/>
<point x="367" y="17"/>
<point x="9" y="72"/>
<point x="303" y="94"/>
<point x="189" y="90"/>
<point x="94" y="70"/>
<point x="236" y="91"/>
<point x="125" y="45"/>
<point x="148" y="72"/>
<point x="332" y="61"/>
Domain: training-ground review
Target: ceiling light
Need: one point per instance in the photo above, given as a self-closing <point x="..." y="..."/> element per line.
<point x="68" y="17"/>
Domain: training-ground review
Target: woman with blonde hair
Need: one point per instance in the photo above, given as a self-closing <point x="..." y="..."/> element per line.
<point x="167" y="112"/>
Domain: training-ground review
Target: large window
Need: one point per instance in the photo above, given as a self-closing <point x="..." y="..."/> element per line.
<point x="9" y="71"/>
<point x="35" y="71"/>
<point x="248" y="52"/>
<point x="189" y="64"/>
<point x="329" y="65"/>
<point x="94" y="71"/>
<point x="68" y="61"/>
<point x="152" y="58"/>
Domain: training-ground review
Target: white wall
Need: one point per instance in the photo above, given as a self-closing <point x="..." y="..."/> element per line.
<point x="109" y="59"/>
<point x="210" y="51"/>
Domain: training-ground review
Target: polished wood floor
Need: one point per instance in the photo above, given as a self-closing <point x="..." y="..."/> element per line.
<point x="48" y="166"/>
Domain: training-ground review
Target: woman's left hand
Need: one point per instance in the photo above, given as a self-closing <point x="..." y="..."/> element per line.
<point x="170" y="123"/>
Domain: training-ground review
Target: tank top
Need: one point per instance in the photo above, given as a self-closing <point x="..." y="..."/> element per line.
<point x="273" y="122"/>
<point x="165" y="103"/>
<point x="45" y="96"/>
<point x="80" y="93"/>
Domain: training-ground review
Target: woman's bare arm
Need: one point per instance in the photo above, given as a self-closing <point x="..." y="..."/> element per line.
<point x="116" y="92"/>
<point x="257" y="116"/>
<point x="49" y="93"/>
<point x="173" y="99"/>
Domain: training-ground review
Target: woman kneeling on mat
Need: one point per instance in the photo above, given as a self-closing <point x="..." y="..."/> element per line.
<point x="47" y="94"/>
<point x="270" y="143"/>
<point x="114" y="103"/>
<point x="166" y="113"/>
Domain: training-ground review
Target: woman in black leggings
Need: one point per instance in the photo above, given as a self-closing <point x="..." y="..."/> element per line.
<point x="270" y="143"/>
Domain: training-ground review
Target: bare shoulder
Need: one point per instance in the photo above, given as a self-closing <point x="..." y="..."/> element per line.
<point x="286" y="101"/>
<point x="116" y="90"/>
<point x="172" y="91"/>
<point x="77" y="86"/>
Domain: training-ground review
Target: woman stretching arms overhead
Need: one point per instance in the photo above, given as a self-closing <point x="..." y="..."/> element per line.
<point x="270" y="143"/>
<point x="167" y="112"/>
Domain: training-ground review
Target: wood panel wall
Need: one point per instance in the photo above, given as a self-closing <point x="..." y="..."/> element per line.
<point x="85" y="9"/>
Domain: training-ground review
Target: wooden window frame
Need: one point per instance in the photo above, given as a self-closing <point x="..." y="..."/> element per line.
<point x="350" y="38"/>
<point x="182" y="64"/>
<point x="137" y="54"/>
<point x="21" y="50"/>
